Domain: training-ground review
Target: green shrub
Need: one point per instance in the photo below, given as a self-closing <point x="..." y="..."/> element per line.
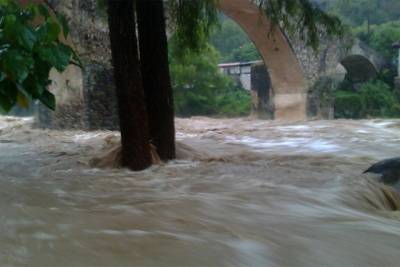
<point x="381" y="37"/>
<point x="236" y="102"/>
<point x="200" y="89"/>
<point x="377" y="99"/>
<point x="233" y="43"/>
<point x="373" y="99"/>
<point x="348" y="105"/>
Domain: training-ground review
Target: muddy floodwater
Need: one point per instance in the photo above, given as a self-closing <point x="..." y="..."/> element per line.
<point x="242" y="193"/>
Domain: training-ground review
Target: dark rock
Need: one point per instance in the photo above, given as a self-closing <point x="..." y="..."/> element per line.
<point x="389" y="169"/>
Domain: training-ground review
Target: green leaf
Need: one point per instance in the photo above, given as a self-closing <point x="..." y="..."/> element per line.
<point x="16" y="65"/>
<point x="64" y="24"/>
<point x="57" y="55"/>
<point x="4" y="2"/>
<point x="3" y="76"/>
<point x="34" y="86"/>
<point x="26" y="37"/>
<point x="48" y="32"/>
<point x="22" y="100"/>
<point x="43" y="10"/>
<point x="53" y="30"/>
<point x="48" y="99"/>
<point x="8" y="95"/>
<point x="10" y="25"/>
<point x="15" y="31"/>
<point x="28" y="54"/>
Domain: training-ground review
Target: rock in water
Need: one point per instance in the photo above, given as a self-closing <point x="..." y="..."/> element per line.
<point x="389" y="169"/>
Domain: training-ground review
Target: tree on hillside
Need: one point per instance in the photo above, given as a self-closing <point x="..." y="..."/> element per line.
<point x="135" y="138"/>
<point x="302" y="17"/>
<point x="201" y="89"/>
<point x="365" y="12"/>
<point x="232" y="42"/>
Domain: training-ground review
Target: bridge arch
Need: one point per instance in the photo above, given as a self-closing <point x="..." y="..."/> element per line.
<point x="287" y="78"/>
<point x="359" y="68"/>
<point x="361" y="62"/>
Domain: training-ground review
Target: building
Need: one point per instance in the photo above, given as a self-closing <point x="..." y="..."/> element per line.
<point x="253" y="76"/>
<point x="240" y="71"/>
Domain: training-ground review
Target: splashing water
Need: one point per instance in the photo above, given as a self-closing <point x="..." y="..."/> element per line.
<point x="243" y="193"/>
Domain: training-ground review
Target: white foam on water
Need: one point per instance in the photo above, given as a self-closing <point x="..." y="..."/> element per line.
<point x="379" y="124"/>
<point x="323" y="146"/>
<point x="84" y="137"/>
<point x="316" y="145"/>
<point x="3" y="125"/>
<point x="180" y="135"/>
<point x="44" y="236"/>
<point x="294" y="127"/>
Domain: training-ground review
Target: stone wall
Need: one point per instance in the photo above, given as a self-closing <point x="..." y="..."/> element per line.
<point x="85" y="97"/>
<point x="323" y="62"/>
<point x="261" y="92"/>
<point x="320" y="99"/>
<point x="288" y="80"/>
<point x="99" y="95"/>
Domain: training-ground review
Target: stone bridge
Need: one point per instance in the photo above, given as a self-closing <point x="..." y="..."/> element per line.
<point x="292" y="66"/>
<point x="86" y="98"/>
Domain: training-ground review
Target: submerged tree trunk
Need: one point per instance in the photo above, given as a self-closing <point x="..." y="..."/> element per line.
<point x="156" y="78"/>
<point x="131" y="101"/>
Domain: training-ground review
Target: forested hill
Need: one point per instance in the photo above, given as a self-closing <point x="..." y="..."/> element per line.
<point x="358" y="12"/>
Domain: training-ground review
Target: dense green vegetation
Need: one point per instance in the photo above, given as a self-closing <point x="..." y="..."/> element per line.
<point x="28" y="51"/>
<point x="376" y="23"/>
<point x="201" y="89"/>
<point x="371" y="99"/>
<point x="381" y="37"/>
<point x="232" y="42"/>
<point x="363" y="12"/>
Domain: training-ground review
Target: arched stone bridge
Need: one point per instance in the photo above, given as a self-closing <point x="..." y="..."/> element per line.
<point x="86" y="98"/>
<point x="291" y="65"/>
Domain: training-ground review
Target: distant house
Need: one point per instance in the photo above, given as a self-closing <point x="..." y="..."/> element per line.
<point x="253" y="76"/>
<point x="240" y="71"/>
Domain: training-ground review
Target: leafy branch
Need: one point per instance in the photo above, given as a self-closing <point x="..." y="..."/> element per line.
<point x="28" y="51"/>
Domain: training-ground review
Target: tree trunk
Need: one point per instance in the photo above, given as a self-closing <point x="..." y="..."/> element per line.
<point x="156" y="78"/>
<point x="131" y="101"/>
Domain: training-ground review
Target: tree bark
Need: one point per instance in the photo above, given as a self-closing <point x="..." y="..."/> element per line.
<point x="131" y="101"/>
<point x="156" y="77"/>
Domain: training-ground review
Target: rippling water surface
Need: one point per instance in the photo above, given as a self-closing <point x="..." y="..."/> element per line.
<point x="243" y="193"/>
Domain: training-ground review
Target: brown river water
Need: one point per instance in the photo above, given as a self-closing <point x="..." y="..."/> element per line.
<point x="242" y="193"/>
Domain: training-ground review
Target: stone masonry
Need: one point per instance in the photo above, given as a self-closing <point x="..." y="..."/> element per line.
<point x="86" y="98"/>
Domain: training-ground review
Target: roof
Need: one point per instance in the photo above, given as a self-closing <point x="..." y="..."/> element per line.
<point x="238" y="64"/>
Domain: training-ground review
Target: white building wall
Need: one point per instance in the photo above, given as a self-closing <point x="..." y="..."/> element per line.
<point x="240" y="71"/>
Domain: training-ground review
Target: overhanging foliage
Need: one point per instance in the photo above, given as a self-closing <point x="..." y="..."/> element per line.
<point x="30" y="47"/>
